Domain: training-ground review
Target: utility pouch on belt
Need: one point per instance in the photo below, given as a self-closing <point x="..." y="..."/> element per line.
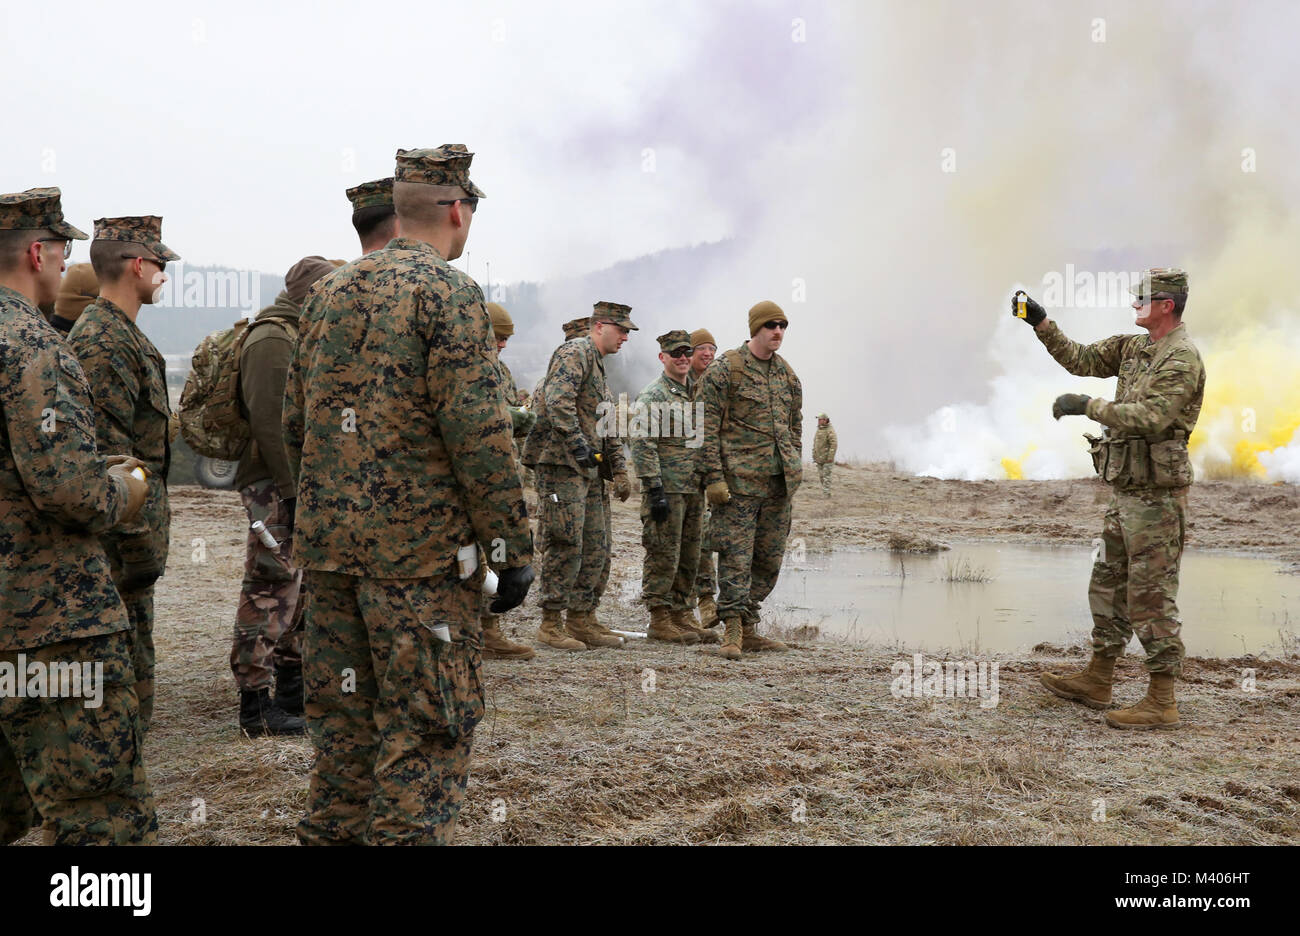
<point x="1117" y="456"/>
<point x="1139" y="460"/>
<point x="1170" y="466"/>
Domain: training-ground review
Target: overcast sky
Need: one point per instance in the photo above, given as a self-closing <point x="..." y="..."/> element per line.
<point x="890" y="171"/>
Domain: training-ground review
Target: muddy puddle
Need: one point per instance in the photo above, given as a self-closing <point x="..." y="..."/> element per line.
<point x="1230" y="604"/>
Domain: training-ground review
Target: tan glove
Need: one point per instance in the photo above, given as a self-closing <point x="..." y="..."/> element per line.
<point x="717" y="493"/>
<point x="622" y="486"/>
<point x="173" y="428"/>
<point x="137" y="491"/>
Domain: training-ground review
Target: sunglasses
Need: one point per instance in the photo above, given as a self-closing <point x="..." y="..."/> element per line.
<point x="471" y="200"/>
<point x="67" y="244"/>
<point x="776" y="324"/>
<point x="679" y="352"/>
<point x="161" y="265"/>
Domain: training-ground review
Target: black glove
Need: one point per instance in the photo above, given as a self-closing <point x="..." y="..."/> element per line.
<point x="1033" y="311"/>
<point x="585" y="455"/>
<point x="658" y="504"/>
<point x="290" y="507"/>
<point x="512" y="588"/>
<point x="1070" y="404"/>
<point x="139" y="575"/>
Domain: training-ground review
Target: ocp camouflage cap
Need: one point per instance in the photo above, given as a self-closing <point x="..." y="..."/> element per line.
<point x="443" y="165"/>
<point x="503" y="326"/>
<point x="36" y="209"/>
<point x="372" y="194"/>
<point x="1158" y="281"/>
<point x="677" y="338"/>
<point x="145" y="230"/>
<point x="614" y="312"/>
<point x="575" y="328"/>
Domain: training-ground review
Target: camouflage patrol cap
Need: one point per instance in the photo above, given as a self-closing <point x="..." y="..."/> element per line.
<point x="702" y="336"/>
<point x="1161" y="282"/>
<point x="145" y="230"/>
<point x="503" y="326"/>
<point x="677" y="338"/>
<point x="822" y="416"/>
<point x="614" y="312"/>
<point x="444" y="165"/>
<point x="37" y="209"/>
<point x="576" y="328"/>
<point x="375" y="194"/>
<point x="79" y="289"/>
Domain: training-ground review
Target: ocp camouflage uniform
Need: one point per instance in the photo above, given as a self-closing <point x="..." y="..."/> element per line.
<point x="672" y="548"/>
<point x="1134" y="586"/>
<point x="128" y="379"/>
<point x="77" y="770"/>
<point x="395" y="476"/>
<point x="575" y="503"/>
<point x="824" y="446"/>
<point x="753" y="441"/>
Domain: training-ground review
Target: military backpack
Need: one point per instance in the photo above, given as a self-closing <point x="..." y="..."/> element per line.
<point x="211" y="421"/>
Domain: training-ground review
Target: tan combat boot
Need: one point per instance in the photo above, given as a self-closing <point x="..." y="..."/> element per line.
<point x="754" y="643"/>
<point x="708" y="609"/>
<point x="581" y="624"/>
<point x="683" y="622"/>
<point x="495" y="645"/>
<point x="732" y="639"/>
<point x="1091" y="685"/>
<point x="552" y="632"/>
<point x="663" y="628"/>
<point x="1156" y="710"/>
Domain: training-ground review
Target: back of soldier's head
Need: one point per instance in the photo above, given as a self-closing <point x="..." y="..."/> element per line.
<point x="375" y="226"/>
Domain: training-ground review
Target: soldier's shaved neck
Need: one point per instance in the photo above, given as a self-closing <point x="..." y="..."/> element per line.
<point x="17" y="271"/>
<point x="420" y="217"/>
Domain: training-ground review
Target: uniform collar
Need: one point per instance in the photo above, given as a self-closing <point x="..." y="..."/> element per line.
<point x="673" y="385"/>
<point x="410" y="243"/>
<point x="7" y="293"/>
<point x="1154" y="348"/>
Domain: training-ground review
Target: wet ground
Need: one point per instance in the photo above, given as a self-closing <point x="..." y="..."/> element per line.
<point x="1008" y="598"/>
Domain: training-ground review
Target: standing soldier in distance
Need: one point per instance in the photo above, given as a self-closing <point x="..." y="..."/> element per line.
<point x="671" y="502"/>
<point x="703" y="348"/>
<point x="1134" y="586"/>
<point x="752" y="463"/>
<point x="268" y="622"/>
<point x="575" y="328"/>
<point x="399" y="484"/>
<point x="78" y="290"/>
<point x="565" y="445"/>
<point x="495" y="644"/>
<point x="76" y="769"/>
<point x="824" y="446"/>
<point x="128" y="379"/>
<point x="373" y="216"/>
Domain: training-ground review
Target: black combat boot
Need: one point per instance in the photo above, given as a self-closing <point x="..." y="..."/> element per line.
<point x="288" y="688"/>
<point x="258" y="715"/>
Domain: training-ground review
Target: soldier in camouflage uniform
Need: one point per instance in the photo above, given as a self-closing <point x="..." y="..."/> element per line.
<point x="1143" y="456"/>
<point x="268" y="621"/>
<point x="664" y="442"/>
<point x="398" y="434"/>
<point x="128" y="379"/>
<point x="824" y="446"/>
<point x="568" y="452"/>
<point x="74" y="768"/>
<point x="78" y="290"/>
<point x="495" y="644"/>
<point x="703" y="348"/>
<point x="752" y="462"/>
